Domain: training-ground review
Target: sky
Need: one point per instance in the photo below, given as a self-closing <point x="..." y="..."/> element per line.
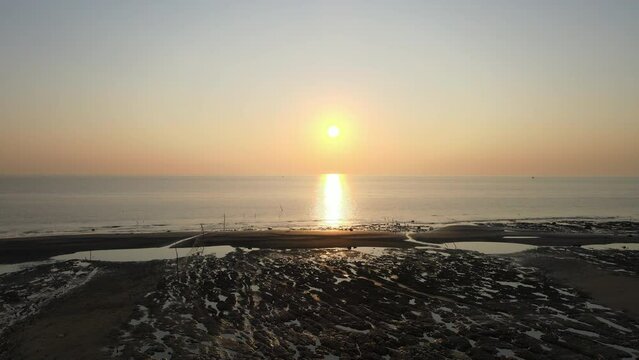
<point x="250" y="87"/>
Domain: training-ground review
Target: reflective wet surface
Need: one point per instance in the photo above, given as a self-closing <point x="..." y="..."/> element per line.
<point x="36" y="205"/>
<point x="369" y="302"/>
<point x="146" y="254"/>
<point x="486" y="247"/>
<point x="384" y="303"/>
<point x="614" y="246"/>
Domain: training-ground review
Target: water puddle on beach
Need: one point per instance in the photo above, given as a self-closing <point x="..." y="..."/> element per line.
<point x="484" y="247"/>
<point x="9" y="268"/>
<point x="147" y="254"/>
<point x="489" y="248"/>
<point x="613" y="246"/>
<point x="123" y="255"/>
<point x="374" y="251"/>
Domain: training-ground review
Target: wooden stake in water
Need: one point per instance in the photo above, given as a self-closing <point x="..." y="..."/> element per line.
<point x="224" y="223"/>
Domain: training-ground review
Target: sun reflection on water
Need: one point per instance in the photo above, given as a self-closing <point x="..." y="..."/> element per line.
<point x="333" y="200"/>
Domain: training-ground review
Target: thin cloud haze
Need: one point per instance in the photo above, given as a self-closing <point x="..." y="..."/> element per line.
<point x="431" y="88"/>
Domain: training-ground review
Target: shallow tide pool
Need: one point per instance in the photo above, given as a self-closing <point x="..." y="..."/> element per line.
<point x="145" y="254"/>
<point x="490" y="248"/>
<point x="613" y="246"/>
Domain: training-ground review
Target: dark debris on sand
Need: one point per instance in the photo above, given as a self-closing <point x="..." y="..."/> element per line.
<point x="402" y="303"/>
<point x="616" y="227"/>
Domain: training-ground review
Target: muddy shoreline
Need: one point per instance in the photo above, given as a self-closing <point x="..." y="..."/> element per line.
<point x="18" y="250"/>
<point x="78" y="324"/>
<point x="304" y="294"/>
<point x="399" y="303"/>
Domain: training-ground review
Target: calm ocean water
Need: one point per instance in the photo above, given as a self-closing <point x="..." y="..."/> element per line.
<point x="44" y="205"/>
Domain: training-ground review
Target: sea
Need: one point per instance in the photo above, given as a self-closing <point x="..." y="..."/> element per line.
<point x="43" y="205"/>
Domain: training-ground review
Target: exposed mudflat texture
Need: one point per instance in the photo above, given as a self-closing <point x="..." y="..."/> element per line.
<point x="616" y="261"/>
<point x="23" y="294"/>
<point x="69" y="310"/>
<point x="556" y="233"/>
<point x="373" y="303"/>
<point x="405" y="303"/>
<point x="566" y="233"/>
<point x="608" y="276"/>
<point x="615" y="227"/>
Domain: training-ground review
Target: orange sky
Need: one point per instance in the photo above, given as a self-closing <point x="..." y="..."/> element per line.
<point x="444" y="88"/>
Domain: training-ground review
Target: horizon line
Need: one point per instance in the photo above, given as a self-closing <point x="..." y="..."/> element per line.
<point x="316" y="174"/>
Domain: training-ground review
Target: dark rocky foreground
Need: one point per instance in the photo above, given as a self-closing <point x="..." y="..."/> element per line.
<point x="329" y="303"/>
<point x="416" y="303"/>
<point x="68" y="310"/>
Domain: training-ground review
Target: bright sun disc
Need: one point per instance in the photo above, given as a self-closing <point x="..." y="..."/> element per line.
<point x="333" y="131"/>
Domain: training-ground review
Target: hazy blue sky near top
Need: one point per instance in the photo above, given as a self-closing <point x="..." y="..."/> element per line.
<point x="249" y="87"/>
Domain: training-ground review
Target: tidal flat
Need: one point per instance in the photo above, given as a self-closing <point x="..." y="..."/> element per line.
<point x="330" y="303"/>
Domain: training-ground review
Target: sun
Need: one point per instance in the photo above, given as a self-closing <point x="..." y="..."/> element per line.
<point x="333" y="131"/>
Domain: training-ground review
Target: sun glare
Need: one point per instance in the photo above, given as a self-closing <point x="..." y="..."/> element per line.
<point x="333" y="131"/>
<point x="333" y="199"/>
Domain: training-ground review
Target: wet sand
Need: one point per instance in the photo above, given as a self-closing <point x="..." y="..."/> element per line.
<point x="617" y="290"/>
<point x="316" y="302"/>
<point x="300" y="239"/>
<point x="498" y="233"/>
<point x="17" y="250"/>
<point x="79" y="324"/>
